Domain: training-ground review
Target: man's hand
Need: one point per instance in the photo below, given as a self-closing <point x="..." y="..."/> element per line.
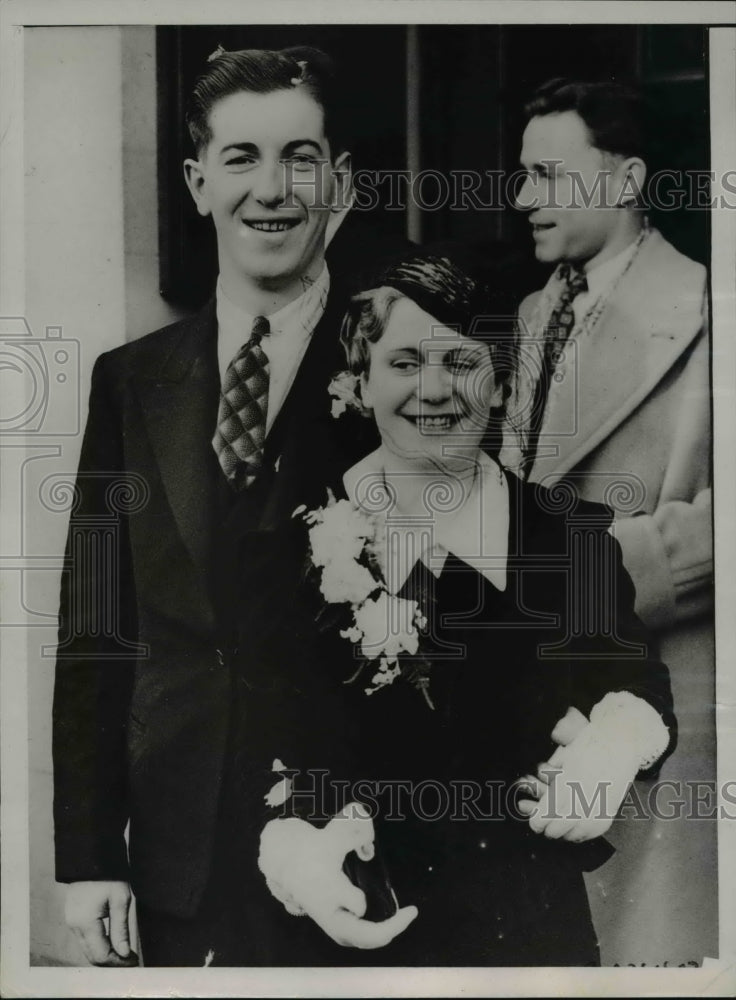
<point x="87" y="905"/>
<point x="303" y="870"/>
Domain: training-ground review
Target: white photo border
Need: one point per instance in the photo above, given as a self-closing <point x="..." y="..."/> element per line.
<point x="716" y="978"/>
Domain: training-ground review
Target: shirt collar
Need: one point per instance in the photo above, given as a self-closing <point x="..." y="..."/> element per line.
<point x="603" y="275"/>
<point x="599" y="277"/>
<point x="477" y="533"/>
<point x="300" y="311"/>
<point x="297" y="319"/>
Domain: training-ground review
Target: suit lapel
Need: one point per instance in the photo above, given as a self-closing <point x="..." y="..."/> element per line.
<point x="299" y="443"/>
<point x="298" y="447"/>
<point x="645" y="327"/>
<point x="180" y="409"/>
<point x="308" y="395"/>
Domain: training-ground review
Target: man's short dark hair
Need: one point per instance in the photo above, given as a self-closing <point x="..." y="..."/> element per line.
<point x="616" y="115"/>
<point x="262" y="71"/>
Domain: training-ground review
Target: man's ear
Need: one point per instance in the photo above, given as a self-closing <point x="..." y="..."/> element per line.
<point x="342" y="172"/>
<point x="631" y="175"/>
<point x="194" y="176"/>
<point x="365" y="394"/>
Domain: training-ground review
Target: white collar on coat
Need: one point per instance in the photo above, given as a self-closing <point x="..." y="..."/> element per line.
<point x="477" y="532"/>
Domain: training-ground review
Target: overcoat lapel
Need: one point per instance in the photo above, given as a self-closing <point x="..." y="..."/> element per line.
<point x="180" y="409"/>
<point x="644" y="329"/>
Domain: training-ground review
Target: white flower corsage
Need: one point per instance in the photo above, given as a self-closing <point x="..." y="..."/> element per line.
<point x="344" y="391"/>
<point x="282" y="790"/>
<point x="347" y="547"/>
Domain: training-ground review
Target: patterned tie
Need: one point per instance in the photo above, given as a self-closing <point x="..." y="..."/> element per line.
<point x="556" y="333"/>
<point x="562" y="318"/>
<point x="241" y="418"/>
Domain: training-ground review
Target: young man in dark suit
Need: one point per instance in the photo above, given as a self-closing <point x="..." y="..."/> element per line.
<point x="206" y="424"/>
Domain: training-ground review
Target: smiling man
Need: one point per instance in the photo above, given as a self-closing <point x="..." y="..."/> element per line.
<point x="620" y="329"/>
<point x="216" y="422"/>
<point x="620" y="413"/>
<point x="268" y="175"/>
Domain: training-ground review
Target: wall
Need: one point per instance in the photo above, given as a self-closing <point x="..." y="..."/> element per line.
<point x="145" y="310"/>
<point x="92" y="269"/>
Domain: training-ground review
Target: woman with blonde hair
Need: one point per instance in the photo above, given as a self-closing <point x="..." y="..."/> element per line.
<point x="447" y="690"/>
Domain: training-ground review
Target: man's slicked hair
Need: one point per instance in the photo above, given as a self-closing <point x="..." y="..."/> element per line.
<point x="617" y="116"/>
<point x="263" y="71"/>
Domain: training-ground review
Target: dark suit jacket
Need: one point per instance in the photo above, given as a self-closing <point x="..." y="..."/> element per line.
<point x="141" y="704"/>
<point x="505" y="667"/>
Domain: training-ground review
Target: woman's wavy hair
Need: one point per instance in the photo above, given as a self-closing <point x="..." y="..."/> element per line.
<point x="450" y="286"/>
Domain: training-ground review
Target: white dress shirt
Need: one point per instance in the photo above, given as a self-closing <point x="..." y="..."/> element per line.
<point x="600" y="280"/>
<point x="291" y="330"/>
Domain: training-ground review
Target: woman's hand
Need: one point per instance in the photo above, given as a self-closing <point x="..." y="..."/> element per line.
<point x="579" y="790"/>
<point x="303" y="870"/>
<point x="581" y="787"/>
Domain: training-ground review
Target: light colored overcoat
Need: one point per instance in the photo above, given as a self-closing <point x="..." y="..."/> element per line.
<point x="628" y="423"/>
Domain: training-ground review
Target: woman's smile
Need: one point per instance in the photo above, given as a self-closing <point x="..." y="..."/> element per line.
<point x="427" y="424"/>
<point x="431" y="389"/>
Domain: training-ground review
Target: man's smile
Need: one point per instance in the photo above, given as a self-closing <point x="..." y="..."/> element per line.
<point x="271" y="225"/>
